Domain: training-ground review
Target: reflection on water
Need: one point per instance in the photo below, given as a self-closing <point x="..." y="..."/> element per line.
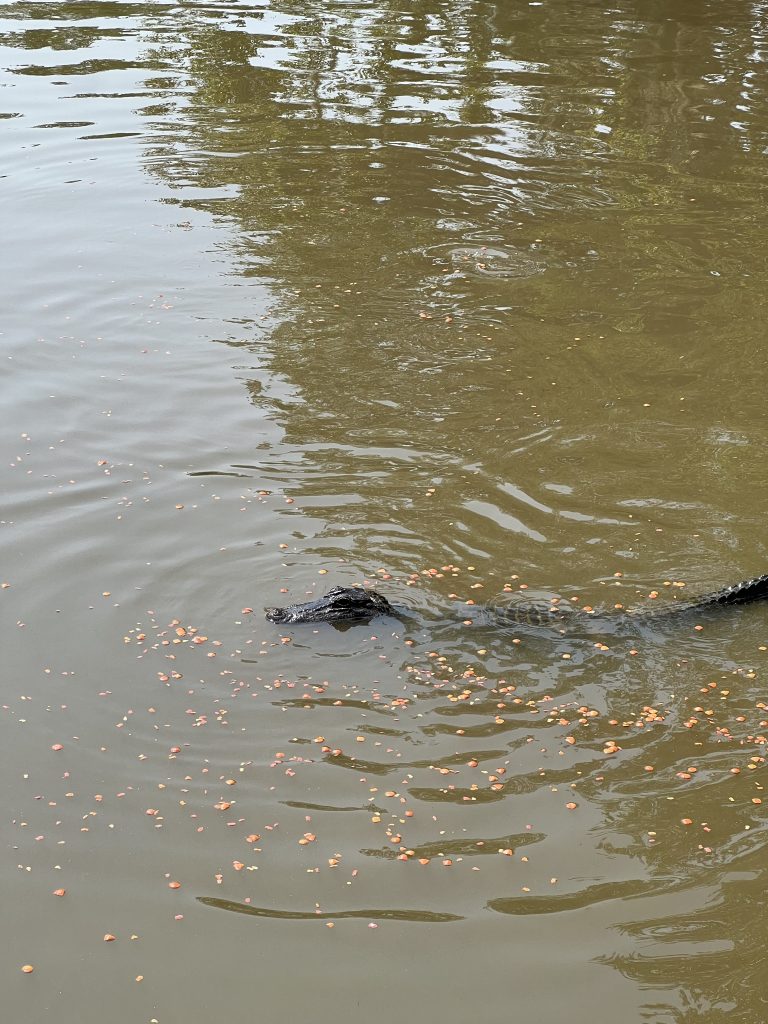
<point x="461" y="300"/>
<point x="291" y="915"/>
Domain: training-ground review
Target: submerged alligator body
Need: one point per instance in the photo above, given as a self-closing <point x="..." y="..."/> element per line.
<point x="349" y="605"/>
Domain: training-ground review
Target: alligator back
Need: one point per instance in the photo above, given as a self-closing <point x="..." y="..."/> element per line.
<point x="530" y="614"/>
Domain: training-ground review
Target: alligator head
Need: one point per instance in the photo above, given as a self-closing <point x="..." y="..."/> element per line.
<point x="340" y="605"/>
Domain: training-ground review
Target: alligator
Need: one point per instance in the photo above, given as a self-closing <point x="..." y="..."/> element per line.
<point x="344" y="606"/>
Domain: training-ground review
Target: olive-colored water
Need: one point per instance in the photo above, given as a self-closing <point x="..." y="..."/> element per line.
<point x="454" y="297"/>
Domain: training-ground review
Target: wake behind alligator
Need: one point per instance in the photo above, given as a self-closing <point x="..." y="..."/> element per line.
<point x="344" y="606"/>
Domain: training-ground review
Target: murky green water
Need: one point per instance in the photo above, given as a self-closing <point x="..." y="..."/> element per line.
<point x="452" y="298"/>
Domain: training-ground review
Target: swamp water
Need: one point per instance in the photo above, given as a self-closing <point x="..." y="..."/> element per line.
<point x="453" y="298"/>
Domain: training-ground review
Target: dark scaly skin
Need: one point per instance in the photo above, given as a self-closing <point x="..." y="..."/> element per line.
<point x="348" y="605"/>
<point x="745" y="592"/>
<point x="340" y="605"/>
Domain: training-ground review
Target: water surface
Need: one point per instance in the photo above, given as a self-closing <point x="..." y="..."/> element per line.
<point x="450" y="298"/>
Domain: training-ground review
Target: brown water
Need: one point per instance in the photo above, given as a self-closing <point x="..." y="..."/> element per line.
<point x="454" y="297"/>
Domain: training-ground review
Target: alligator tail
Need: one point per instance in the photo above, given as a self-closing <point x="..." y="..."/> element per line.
<point x="739" y="593"/>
